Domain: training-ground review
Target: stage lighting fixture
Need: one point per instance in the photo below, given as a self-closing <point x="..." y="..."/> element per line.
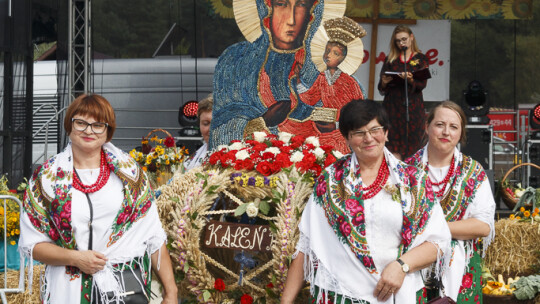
<point x="187" y="114"/>
<point x="534" y="121"/>
<point x="476" y="105"/>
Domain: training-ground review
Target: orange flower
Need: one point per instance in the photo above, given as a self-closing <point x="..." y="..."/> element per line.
<point x="536" y="210"/>
<point x="512" y="216"/>
<point x="526" y="213"/>
<point x="144" y="168"/>
<point x="518" y="217"/>
<point x="522" y="209"/>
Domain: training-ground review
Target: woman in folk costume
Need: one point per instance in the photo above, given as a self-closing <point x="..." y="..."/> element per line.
<point x="88" y="212"/>
<point x="342" y="52"/>
<point x="370" y="226"/>
<point x="462" y="188"/>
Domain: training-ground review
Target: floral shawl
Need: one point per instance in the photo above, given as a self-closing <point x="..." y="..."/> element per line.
<point x="48" y="199"/>
<point x="337" y="256"/>
<point x="464" y="197"/>
<point x="338" y="191"/>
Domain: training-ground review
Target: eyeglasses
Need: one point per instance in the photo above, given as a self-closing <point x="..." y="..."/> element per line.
<point x="81" y="125"/>
<point x="374" y="132"/>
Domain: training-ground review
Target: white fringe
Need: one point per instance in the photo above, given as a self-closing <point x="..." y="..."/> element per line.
<point x="26" y="256"/>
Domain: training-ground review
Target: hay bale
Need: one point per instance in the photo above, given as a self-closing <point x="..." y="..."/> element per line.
<point x="514" y="249"/>
<point x="13" y="282"/>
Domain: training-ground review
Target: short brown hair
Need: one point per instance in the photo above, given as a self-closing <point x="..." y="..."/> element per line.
<point x="205" y="105"/>
<point x="459" y="111"/>
<point x="95" y="106"/>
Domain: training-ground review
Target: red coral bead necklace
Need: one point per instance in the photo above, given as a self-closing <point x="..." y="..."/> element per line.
<point x="104" y="173"/>
<point x="382" y="176"/>
<point x="446" y="179"/>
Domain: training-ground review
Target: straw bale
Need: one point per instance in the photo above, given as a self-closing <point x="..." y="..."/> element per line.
<point x="514" y="249"/>
<point x="13" y="282"/>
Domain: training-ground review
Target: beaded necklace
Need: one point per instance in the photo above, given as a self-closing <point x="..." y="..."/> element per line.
<point x="104" y="173"/>
<point x="444" y="182"/>
<point x="380" y="181"/>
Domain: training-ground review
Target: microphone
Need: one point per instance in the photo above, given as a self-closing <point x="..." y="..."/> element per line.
<point x="404" y="48"/>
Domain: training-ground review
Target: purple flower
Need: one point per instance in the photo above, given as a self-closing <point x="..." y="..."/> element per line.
<point x="251" y="181"/>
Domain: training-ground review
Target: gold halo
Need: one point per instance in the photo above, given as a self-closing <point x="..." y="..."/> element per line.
<point x="351" y="63"/>
<point x="250" y="26"/>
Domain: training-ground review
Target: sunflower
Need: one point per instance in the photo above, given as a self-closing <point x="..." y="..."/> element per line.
<point x="486" y="8"/>
<point x="458" y="9"/>
<point x="224" y="8"/>
<point x="359" y="8"/>
<point x="517" y="9"/>
<point x="422" y="9"/>
<point x="389" y="7"/>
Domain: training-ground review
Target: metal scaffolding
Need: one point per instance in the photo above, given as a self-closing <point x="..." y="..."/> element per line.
<point x="79" y="47"/>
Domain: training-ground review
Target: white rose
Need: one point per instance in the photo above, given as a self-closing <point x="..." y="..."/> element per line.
<point x="221" y="147"/>
<point x="338" y="154"/>
<point x="519" y="192"/>
<point x="242" y="154"/>
<point x="284" y="137"/>
<point x="274" y="150"/>
<point x="312" y="140"/>
<point x="297" y="157"/>
<point x="236" y="146"/>
<point x="252" y="210"/>
<point x="259" y="136"/>
<point x="319" y="153"/>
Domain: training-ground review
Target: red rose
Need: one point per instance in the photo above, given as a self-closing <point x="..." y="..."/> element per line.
<point x="467" y="280"/>
<point x="259" y="147"/>
<point x="286" y="149"/>
<point x="297" y="141"/>
<point x="246" y="299"/>
<point x="270" y="285"/>
<point x="277" y="143"/>
<point x="284" y="159"/>
<point x="248" y="164"/>
<point x="330" y="159"/>
<point x="345" y="228"/>
<point x="169" y="142"/>
<point x="268" y="156"/>
<point x="215" y="157"/>
<point x="219" y="285"/>
<point x="265" y="168"/>
<point x="316" y="169"/>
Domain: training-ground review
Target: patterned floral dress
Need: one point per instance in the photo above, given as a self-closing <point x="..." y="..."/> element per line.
<point x="404" y="139"/>
<point x="468" y="196"/>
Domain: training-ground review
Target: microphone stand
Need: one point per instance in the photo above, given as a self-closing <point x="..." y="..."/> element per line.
<point x="407" y="119"/>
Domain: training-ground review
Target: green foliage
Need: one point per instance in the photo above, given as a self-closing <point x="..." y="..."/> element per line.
<point x="527" y="287"/>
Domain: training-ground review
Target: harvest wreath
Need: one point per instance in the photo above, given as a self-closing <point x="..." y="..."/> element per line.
<point x="232" y="224"/>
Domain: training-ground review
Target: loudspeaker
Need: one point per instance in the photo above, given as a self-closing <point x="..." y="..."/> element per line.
<point x="532" y="155"/>
<point x="479" y="145"/>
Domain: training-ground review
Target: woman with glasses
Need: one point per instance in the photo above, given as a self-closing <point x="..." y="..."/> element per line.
<point x="463" y="191"/>
<point x="405" y="136"/>
<point x="370" y="226"/>
<point x="88" y="215"/>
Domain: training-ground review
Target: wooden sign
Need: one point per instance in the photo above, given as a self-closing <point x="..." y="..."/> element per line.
<point x="238" y="236"/>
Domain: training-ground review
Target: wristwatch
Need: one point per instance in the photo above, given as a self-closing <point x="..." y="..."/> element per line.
<point x="404" y="266"/>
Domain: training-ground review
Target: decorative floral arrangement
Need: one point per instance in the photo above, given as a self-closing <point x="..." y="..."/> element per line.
<point x="11" y="211"/>
<point x="161" y="160"/>
<point x="269" y="154"/>
<point x="263" y="181"/>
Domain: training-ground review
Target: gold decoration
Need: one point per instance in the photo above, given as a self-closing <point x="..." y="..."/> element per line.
<point x="342" y="30"/>
<point x="324" y="114"/>
<point x="455" y="9"/>
<point x="422" y="9"/>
